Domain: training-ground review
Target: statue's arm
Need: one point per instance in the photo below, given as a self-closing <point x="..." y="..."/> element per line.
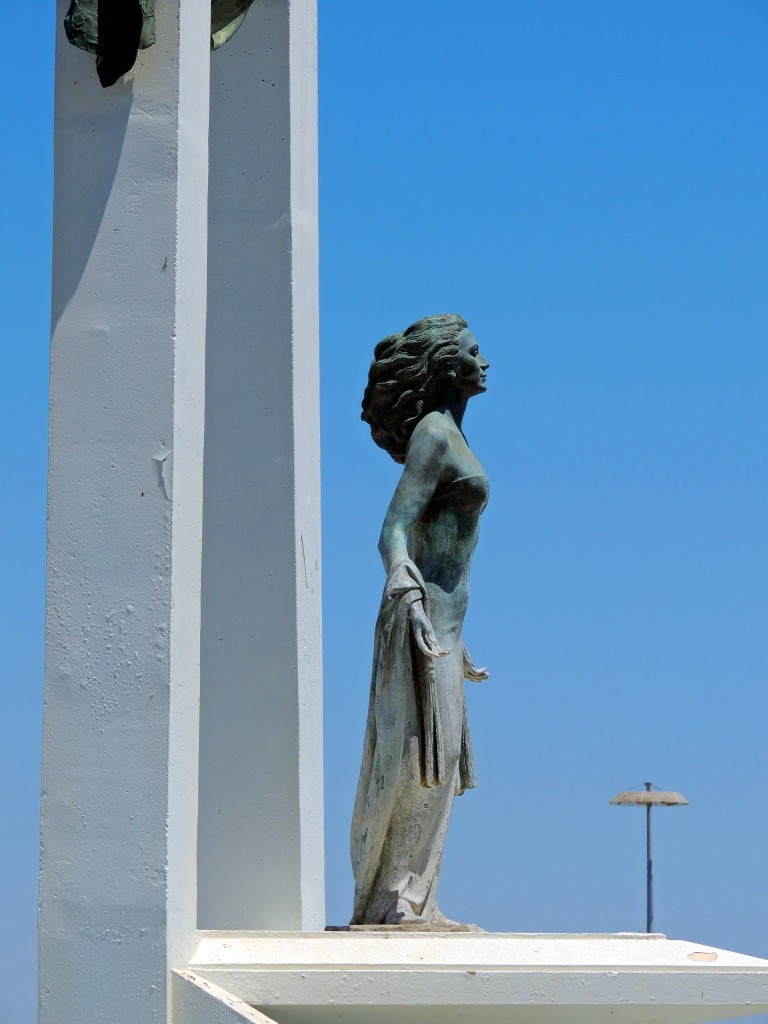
<point x="424" y="466"/>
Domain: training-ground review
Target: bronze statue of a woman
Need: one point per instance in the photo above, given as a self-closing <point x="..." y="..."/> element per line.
<point x="417" y="754"/>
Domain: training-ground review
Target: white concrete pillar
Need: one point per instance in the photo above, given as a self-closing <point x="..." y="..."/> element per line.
<point x="118" y="881"/>
<point x="260" y="838"/>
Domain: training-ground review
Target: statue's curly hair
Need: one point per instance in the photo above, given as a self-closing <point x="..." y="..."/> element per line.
<point x="407" y="379"/>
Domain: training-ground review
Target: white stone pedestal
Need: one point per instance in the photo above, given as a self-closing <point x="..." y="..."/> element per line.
<point x="426" y="978"/>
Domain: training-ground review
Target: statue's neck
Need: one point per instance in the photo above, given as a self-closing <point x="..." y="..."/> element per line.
<point x="454" y="404"/>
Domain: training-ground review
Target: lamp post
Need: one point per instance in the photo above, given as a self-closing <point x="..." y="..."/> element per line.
<point x="648" y="798"/>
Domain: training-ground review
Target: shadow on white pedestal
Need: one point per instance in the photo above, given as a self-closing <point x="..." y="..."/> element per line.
<point x="425" y="978"/>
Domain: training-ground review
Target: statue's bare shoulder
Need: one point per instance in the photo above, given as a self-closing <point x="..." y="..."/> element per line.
<point x="435" y="429"/>
<point x="430" y="441"/>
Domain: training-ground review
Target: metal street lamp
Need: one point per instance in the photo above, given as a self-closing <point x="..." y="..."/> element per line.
<point x="647" y="799"/>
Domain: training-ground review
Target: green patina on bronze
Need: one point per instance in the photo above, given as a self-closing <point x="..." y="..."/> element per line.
<point x="226" y="18"/>
<point x="417" y="753"/>
<point x="115" y="30"/>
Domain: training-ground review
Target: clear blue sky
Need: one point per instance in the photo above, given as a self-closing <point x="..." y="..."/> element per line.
<point x="587" y="183"/>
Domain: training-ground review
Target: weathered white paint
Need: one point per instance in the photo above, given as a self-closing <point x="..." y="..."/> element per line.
<point x="197" y="1001"/>
<point x="261" y="797"/>
<point x="118" y="880"/>
<point x="527" y="979"/>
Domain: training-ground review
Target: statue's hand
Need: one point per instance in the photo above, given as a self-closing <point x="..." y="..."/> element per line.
<point x="474" y="675"/>
<point x="423" y="632"/>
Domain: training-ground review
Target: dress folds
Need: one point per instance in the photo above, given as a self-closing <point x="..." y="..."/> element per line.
<point x="417" y="756"/>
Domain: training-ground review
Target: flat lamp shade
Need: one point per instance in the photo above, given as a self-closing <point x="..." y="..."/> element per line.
<point x="653" y="796"/>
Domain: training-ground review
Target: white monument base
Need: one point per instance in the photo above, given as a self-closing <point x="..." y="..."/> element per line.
<point x="378" y="977"/>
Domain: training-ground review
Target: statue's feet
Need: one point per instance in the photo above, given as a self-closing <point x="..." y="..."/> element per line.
<point x="441" y="922"/>
<point x="403" y="914"/>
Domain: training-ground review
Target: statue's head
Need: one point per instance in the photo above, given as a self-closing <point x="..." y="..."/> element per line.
<point x="410" y="374"/>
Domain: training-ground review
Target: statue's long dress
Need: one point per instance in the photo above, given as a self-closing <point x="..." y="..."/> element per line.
<point x="417" y="754"/>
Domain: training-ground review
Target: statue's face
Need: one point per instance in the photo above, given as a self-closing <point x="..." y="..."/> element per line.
<point x="470" y="366"/>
